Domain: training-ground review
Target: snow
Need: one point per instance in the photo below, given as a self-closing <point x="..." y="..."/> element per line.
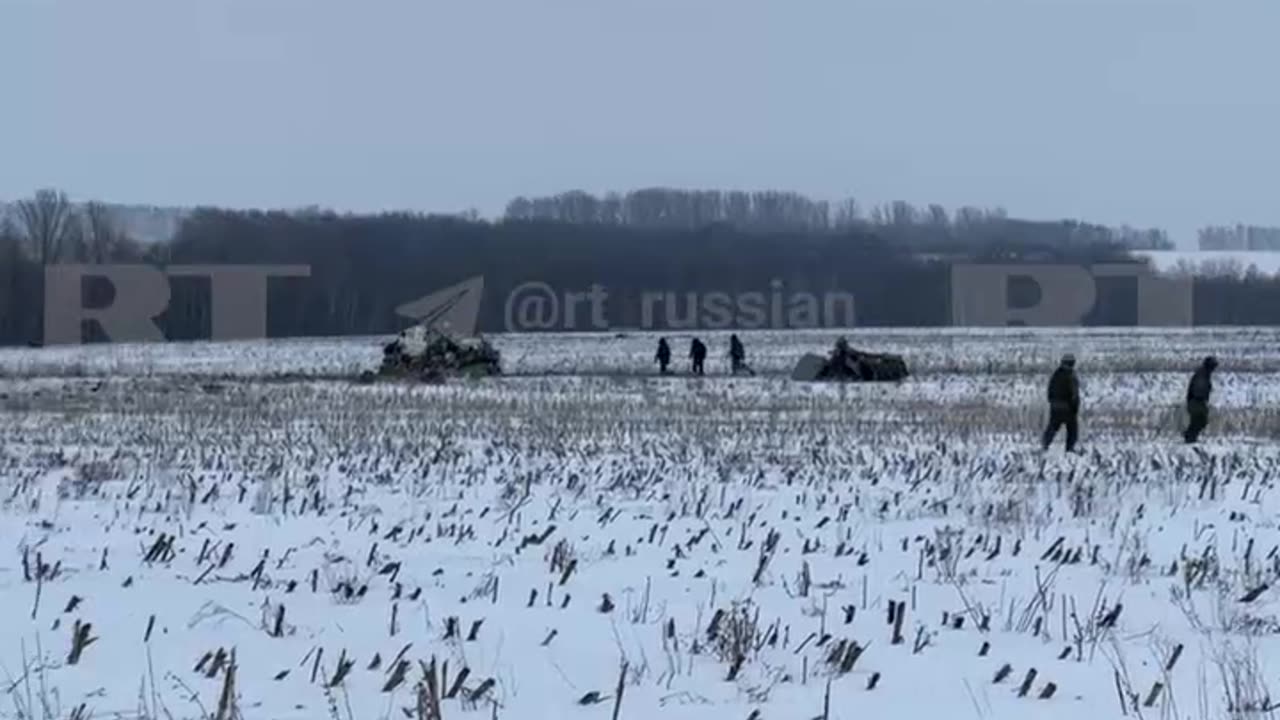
<point x="931" y="350"/>
<point x="256" y="502"/>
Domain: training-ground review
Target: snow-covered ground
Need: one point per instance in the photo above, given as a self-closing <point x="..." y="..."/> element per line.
<point x="1267" y="262"/>
<point x="195" y="531"/>
<point x="929" y="351"/>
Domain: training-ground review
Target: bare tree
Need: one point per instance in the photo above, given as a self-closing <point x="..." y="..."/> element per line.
<point x="100" y="234"/>
<point x="10" y="280"/>
<point x="48" y="224"/>
<point x="848" y="213"/>
<point x="902" y="212"/>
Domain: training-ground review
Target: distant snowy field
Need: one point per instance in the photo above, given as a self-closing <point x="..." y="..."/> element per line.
<point x="1267" y="262"/>
<point x="219" y="530"/>
<point x="929" y="352"/>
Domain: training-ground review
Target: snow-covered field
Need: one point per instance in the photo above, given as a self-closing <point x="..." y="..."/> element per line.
<point x="1213" y="262"/>
<point x="223" y="530"/>
<point x="931" y="351"/>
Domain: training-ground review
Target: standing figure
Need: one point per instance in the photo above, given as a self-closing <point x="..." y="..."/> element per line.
<point x="1064" y="403"/>
<point x="844" y="364"/>
<point x="841" y="350"/>
<point x="738" y="356"/>
<point x="663" y="356"/>
<point x="697" y="353"/>
<point x="1198" y="392"/>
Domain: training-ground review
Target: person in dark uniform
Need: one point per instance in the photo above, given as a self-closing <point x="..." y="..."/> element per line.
<point x="663" y="356"/>
<point x="844" y="363"/>
<point x="841" y="352"/>
<point x="1198" y="391"/>
<point x="697" y="353"/>
<point x="1064" y="404"/>
<point x="738" y="356"/>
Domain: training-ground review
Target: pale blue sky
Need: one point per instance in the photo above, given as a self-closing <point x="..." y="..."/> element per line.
<point x="1121" y="111"/>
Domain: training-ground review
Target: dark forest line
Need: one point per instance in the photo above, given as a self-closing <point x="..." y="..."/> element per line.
<point x="720" y="259"/>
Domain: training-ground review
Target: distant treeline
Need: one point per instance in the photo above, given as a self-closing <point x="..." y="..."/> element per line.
<point x="1239" y="237"/>
<point x="697" y="250"/>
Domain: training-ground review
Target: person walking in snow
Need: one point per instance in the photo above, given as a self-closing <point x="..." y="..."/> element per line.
<point x="663" y="356"/>
<point x="1198" y="391"/>
<point x="1064" y="404"/>
<point x="698" y="354"/>
<point x="738" y="356"/>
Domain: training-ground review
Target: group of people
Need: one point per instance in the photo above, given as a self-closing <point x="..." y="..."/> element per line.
<point x="1063" y="395"/>
<point x="1064" y="402"/>
<point x="698" y="356"/>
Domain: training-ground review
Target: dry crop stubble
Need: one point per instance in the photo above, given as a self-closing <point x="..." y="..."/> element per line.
<point x="940" y="351"/>
<point x="531" y="534"/>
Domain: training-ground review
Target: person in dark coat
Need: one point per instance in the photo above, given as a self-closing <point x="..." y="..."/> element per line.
<point x="841" y="352"/>
<point x="738" y="356"/>
<point x="844" y="363"/>
<point x="1064" y="404"/>
<point x="663" y="356"/>
<point x="1198" y="391"/>
<point x="697" y="353"/>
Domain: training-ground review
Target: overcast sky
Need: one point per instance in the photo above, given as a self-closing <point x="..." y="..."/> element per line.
<point x="1153" y="113"/>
